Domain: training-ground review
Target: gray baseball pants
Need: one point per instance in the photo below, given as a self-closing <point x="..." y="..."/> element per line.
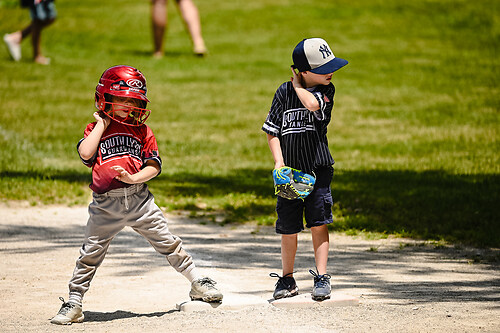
<point x="109" y="213"/>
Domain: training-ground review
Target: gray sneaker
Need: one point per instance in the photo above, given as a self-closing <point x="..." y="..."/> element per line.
<point x="322" y="287"/>
<point x="285" y="287"/>
<point x="69" y="313"/>
<point x="204" y="289"/>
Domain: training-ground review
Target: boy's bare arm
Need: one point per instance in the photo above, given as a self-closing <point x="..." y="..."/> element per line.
<point x="89" y="145"/>
<point x="275" y="146"/>
<point x="150" y="171"/>
<point x="306" y="97"/>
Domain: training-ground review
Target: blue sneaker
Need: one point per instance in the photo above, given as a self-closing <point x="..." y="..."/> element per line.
<point x="322" y="287"/>
<point x="285" y="287"/>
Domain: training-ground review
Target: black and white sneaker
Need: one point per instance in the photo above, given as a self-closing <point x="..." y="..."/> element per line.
<point x="285" y="287"/>
<point x="68" y="313"/>
<point x="322" y="287"/>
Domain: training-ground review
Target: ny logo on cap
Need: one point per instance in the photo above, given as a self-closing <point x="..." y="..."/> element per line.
<point x="325" y="51"/>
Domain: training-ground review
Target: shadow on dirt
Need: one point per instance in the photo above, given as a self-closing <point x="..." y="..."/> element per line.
<point x="91" y="316"/>
<point x="418" y="273"/>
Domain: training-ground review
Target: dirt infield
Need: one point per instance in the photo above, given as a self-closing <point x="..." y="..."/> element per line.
<point x="403" y="285"/>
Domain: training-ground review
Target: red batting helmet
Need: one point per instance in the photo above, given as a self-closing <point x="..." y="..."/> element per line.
<point x="122" y="81"/>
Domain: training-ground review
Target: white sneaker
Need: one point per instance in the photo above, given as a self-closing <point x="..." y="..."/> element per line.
<point x="14" y="48"/>
<point x="204" y="289"/>
<point x="68" y="313"/>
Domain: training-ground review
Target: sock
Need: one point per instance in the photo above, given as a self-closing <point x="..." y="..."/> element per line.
<point x="75" y="299"/>
<point x="192" y="275"/>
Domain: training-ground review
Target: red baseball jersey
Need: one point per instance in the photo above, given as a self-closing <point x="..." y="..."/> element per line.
<point x="127" y="146"/>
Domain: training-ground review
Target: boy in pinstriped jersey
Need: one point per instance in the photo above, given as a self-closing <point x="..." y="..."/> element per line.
<point x="296" y="128"/>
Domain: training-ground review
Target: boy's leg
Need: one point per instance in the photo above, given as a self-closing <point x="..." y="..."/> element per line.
<point x="286" y="285"/>
<point x="153" y="226"/>
<point x="288" y="225"/>
<point x="322" y="287"/>
<point x="320" y="239"/>
<point x="100" y="230"/>
<point x="288" y="252"/>
<point x="318" y="214"/>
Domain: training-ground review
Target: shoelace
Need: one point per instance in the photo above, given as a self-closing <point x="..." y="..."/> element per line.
<point x="281" y="279"/>
<point x="321" y="280"/>
<point x="66" y="306"/>
<point x="208" y="282"/>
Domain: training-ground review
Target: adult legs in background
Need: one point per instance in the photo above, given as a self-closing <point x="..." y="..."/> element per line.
<point x="36" y="33"/>
<point x="159" y="21"/>
<point x="13" y="40"/>
<point x="191" y="17"/>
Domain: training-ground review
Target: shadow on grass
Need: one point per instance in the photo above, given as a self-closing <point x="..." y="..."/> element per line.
<point x="70" y="176"/>
<point x="241" y="181"/>
<point x="426" y="205"/>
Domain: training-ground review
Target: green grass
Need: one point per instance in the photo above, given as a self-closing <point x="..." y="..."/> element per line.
<point x="414" y="130"/>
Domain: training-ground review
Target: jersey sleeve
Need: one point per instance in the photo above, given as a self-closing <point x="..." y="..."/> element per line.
<point x="90" y="162"/>
<point x="272" y="125"/>
<point x="150" y="149"/>
<point x="324" y="96"/>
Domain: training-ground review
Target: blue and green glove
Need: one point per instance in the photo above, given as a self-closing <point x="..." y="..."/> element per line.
<point x="292" y="184"/>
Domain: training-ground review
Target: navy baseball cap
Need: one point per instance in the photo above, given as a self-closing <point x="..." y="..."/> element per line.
<point x="314" y="55"/>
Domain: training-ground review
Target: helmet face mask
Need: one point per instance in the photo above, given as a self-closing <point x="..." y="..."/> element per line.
<point x="126" y="114"/>
<point x="125" y="82"/>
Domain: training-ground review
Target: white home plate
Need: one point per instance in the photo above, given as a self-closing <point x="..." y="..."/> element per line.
<point x="236" y="302"/>
<point x="229" y="302"/>
<point x="306" y="301"/>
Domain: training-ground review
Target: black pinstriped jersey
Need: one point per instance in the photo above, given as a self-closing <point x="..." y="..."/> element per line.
<point x="302" y="133"/>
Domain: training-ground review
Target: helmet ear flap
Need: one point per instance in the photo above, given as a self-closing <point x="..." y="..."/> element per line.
<point x="96" y="101"/>
<point x="99" y="102"/>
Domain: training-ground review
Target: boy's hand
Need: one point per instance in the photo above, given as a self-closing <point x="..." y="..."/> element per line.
<point x="296" y="78"/>
<point x="101" y="117"/>
<point x="123" y="175"/>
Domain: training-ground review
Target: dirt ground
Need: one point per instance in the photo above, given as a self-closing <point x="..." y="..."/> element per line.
<point x="403" y="285"/>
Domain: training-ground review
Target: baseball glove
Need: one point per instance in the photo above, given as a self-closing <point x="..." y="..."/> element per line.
<point x="292" y="184"/>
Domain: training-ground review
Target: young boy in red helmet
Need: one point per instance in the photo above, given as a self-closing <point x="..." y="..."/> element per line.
<point x="123" y="154"/>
